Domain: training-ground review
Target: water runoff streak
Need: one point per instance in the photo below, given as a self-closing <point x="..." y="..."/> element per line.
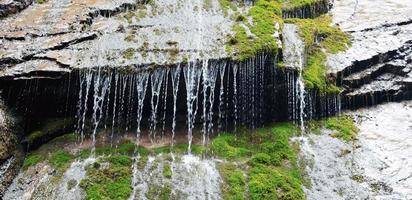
<point x="294" y="52"/>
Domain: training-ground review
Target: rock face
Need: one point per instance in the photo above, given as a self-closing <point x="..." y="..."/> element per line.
<point x="10" y="157"/>
<point x="9" y="7"/>
<point x="377" y="67"/>
<point x="7" y="137"/>
<point x="58" y="36"/>
<point x="375" y="166"/>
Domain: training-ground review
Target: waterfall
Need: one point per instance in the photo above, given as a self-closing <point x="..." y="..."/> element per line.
<point x="156" y="80"/>
<point x="192" y="79"/>
<point x="101" y="86"/>
<point x="221" y="93"/>
<point x="141" y="85"/>
<point x="294" y="52"/>
<point x="175" y="85"/>
<point x="114" y="107"/>
<point x="209" y="82"/>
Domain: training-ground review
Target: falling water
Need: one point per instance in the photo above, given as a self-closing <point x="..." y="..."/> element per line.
<point x="101" y="86"/>
<point x="294" y="58"/>
<point x="175" y="84"/>
<point x="192" y="79"/>
<point x="221" y="93"/>
<point x="156" y="80"/>
<point x="209" y="82"/>
<point x="141" y="85"/>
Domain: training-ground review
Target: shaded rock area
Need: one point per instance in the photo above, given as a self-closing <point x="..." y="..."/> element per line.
<point x="377" y="68"/>
<point x="9" y="7"/>
<point x="310" y="10"/>
<point x="10" y="152"/>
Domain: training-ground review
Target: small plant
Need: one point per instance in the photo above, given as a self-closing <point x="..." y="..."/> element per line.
<point x="41" y="1"/>
<point x="167" y="170"/>
<point x="32" y="160"/>
<point x="130" y="38"/>
<point x="344" y="126"/>
<point x="129" y="53"/>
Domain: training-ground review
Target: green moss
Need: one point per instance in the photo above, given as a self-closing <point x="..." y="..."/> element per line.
<point x="264" y="14"/>
<point x="32" y="160"/>
<point x="234" y="182"/>
<point x="49" y="129"/>
<point x="229" y="146"/>
<point x="112" y="182"/>
<point x="320" y="37"/>
<point x="129" y="17"/>
<point x="332" y="39"/>
<point x="126" y="148"/>
<point x="159" y="192"/>
<point x="207" y="4"/>
<point x="129" y="53"/>
<point x="274" y="183"/>
<point x="167" y="170"/>
<point x="343" y="126"/>
<point x="60" y="159"/>
<point x="41" y="1"/>
<point x="315" y="74"/>
<point x="142" y="162"/>
<point x="225" y="5"/>
<point x="130" y="38"/>
<point x="272" y="159"/>
<point x="290" y="4"/>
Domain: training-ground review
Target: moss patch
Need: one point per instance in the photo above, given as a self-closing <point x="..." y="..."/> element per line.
<point x="343" y="126"/>
<point x="32" y="160"/>
<point x="129" y="53"/>
<point x="270" y="162"/>
<point x="234" y="181"/>
<point x="290" y="4"/>
<point x="167" y="170"/>
<point x="320" y="38"/>
<point x="264" y="14"/>
<point x="109" y="182"/>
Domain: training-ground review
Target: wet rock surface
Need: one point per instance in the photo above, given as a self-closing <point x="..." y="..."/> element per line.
<point x="375" y="166"/>
<point x="56" y="36"/>
<point x="10" y="153"/>
<point x="9" y="7"/>
<point x="377" y="68"/>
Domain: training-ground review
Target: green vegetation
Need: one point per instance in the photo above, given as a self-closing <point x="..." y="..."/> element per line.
<point x="226" y="4"/>
<point x="32" y="160"/>
<point x="49" y="129"/>
<point x="129" y="53"/>
<point x="234" y="182"/>
<point x="157" y="192"/>
<point x="343" y="126"/>
<point x="265" y="13"/>
<point x="41" y="1"/>
<point x="167" y="170"/>
<point x="331" y="40"/>
<point x="60" y="159"/>
<point x="130" y="38"/>
<point x="289" y="4"/>
<point x="315" y="74"/>
<point x="271" y="163"/>
<point x="108" y="178"/>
